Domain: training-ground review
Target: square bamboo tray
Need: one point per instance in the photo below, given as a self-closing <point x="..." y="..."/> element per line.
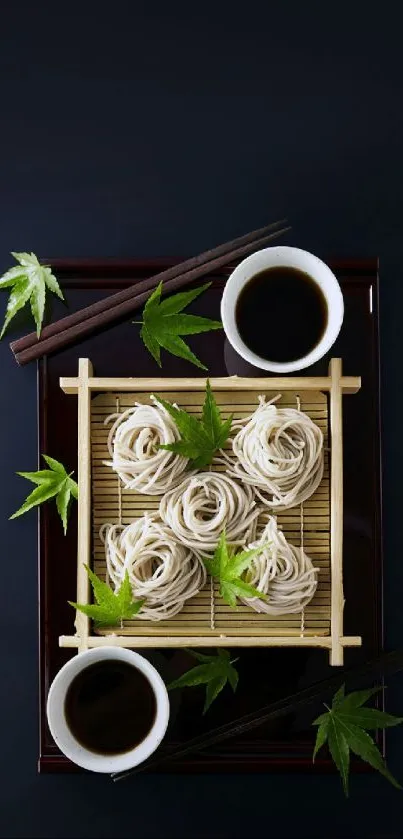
<point x="317" y="525"/>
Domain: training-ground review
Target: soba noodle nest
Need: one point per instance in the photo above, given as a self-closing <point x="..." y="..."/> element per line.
<point x="278" y="452"/>
<point x="161" y="570"/>
<point x="133" y="443"/>
<point x="283" y="573"/>
<point x="204" y="505"/>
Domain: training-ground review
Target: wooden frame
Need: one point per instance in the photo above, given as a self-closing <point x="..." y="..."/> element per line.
<point x="334" y="384"/>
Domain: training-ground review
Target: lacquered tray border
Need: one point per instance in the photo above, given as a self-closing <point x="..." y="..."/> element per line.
<point x="232" y="757"/>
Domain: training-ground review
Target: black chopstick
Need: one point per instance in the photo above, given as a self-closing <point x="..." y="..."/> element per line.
<point x="122" y="304"/>
<point x="385" y="664"/>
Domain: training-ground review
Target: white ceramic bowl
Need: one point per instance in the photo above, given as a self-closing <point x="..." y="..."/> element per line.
<point x="283" y="257"/>
<point x="64" y="738"/>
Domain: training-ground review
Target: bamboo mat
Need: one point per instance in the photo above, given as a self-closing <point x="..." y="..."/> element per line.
<point x="206" y="614"/>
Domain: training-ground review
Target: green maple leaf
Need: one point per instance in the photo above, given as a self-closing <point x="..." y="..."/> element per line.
<point x="228" y="567"/>
<point x="214" y="672"/>
<point x="344" y="728"/>
<point x="28" y="281"/>
<point x="111" y="608"/>
<point x="200" y="439"/>
<point x="163" y="325"/>
<point x="51" y="483"/>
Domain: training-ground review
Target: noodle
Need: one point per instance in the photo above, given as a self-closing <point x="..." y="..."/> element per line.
<point x="161" y="571"/>
<point x="285" y="574"/>
<point x="279" y="452"/>
<point x="133" y="443"/>
<point x="204" y="505"/>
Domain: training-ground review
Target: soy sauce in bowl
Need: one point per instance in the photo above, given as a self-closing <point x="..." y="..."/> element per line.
<point x="281" y="314"/>
<point x="110" y="707"/>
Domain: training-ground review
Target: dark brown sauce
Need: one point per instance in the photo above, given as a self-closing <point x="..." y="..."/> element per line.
<point x="281" y="314"/>
<point x="110" y="707"/>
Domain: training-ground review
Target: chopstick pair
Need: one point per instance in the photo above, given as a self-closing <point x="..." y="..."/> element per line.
<point x="116" y="307"/>
<point x="385" y="664"/>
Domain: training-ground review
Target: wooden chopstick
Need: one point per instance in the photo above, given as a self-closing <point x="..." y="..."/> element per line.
<point x="385" y="664"/>
<point x="117" y="306"/>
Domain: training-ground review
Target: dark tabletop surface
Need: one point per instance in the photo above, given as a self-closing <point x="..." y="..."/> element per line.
<point x="136" y="129"/>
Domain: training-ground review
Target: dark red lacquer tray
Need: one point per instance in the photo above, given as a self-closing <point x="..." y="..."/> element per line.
<point x="265" y="675"/>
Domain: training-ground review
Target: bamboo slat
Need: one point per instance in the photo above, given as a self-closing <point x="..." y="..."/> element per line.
<point x="350" y="384"/>
<point x="114" y="640"/>
<point x="82" y="623"/>
<point x="336" y="535"/>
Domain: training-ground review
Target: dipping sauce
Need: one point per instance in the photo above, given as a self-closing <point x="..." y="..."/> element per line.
<point x="281" y="314"/>
<point x="110" y="707"/>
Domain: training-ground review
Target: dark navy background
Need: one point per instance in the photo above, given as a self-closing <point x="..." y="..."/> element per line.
<point x="154" y="129"/>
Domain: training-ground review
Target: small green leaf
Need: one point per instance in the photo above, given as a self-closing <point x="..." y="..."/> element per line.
<point x="321" y="736"/>
<point x="200" y="439"/>
<point x="363" y="745"/>
<point x="213" y="566"/>
<point x="41" y="477"/>
<point x="343" y="726"/>
<point x="51" y="282"/>
<point x="176" y="346"/>
<point x="151" y="343"/>
<point x="184" y="325"/>
<point x="37" y="496"/>
<point x="225" y="432"/>
<point x="73" y="486"/>
<point x="124" y="598"/>
<point x="227" y="567"/>
<point x="28" y="282"/>
<point x="213" y="688"/>
<point x="211" y="414"/>
<point x="368" y="718"/>
<point x="196" y="676"/>
<point x="225" y="655"/>
<point x="153" y="301"/>
<point x="216" y="430"/>
<point x="339" y="750"/>
<point x="233" y="677"/>
<point x="322" y="718"/>
<point x="55" y="465"/>
<point x="338" y="697"/>
<point x="19" y="296"/>
<point x="12" y="276"/>
<point x="38" y="305"/>
<point x="242" y="589"/>
<point x="214" y="671"/>
<point x="183" y="448"/>
<point x="25" y="259"/>
<point x="359" y="697"/>
<point x="177" y="302"/>
<point x="162" y="324"/>
<point x="241" y="562"/>
<point x="228" y="594"/>
<point x="62" y="503"/>
<point x="111" y="608"/>
<point x="200" y="656"/>
<point x="101" y="590"/>
<point x="52" y="482"/>
<point x="190" y="428"/>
